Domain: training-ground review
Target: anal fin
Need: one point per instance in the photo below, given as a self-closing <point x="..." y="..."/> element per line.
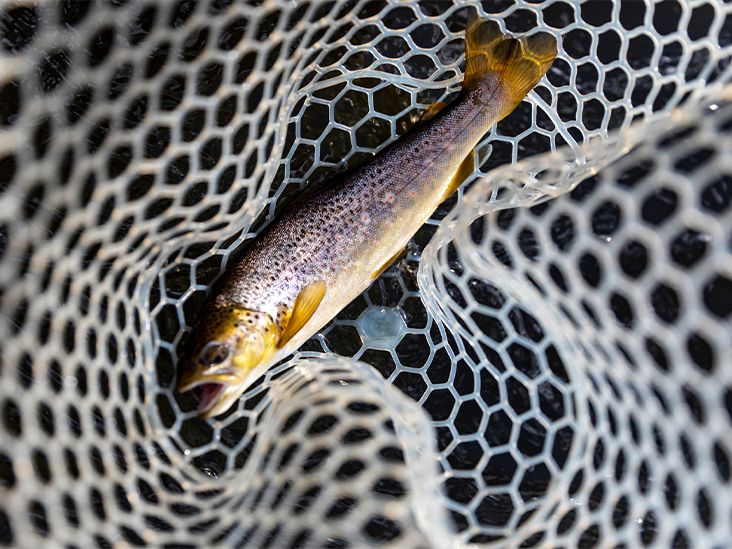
<point x="378" y="272"/>
<point x="306" y="303"/>
<point x="465" y="170"/>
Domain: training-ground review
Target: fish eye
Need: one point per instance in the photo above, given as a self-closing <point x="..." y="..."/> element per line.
<point x="214" y="354"/>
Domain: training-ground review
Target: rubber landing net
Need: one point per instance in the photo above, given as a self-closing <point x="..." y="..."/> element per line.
<point x="542" y="373"/>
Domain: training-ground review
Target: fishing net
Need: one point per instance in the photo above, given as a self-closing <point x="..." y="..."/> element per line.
<point x="542" y="373"/>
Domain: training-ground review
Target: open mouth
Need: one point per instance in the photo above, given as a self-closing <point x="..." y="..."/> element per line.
<point x="208" y="394"/>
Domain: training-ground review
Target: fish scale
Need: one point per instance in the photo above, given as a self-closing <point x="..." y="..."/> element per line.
<point x="324" y="251"/>
<point x="335" y="231"/>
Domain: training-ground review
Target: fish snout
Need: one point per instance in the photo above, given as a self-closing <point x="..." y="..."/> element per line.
<point x="191" y="379"/>
<point x="212" y="364"/>
<point x="215" y="391"/>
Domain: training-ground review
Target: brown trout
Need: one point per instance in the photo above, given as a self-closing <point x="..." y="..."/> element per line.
<point x="319" y="256"/>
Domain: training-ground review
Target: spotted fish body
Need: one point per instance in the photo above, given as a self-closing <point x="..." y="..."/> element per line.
<point x="340" y="239"/>
<point x="344" y="235"/>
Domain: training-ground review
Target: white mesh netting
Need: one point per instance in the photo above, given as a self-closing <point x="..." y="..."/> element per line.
<point x="569" y="356"/>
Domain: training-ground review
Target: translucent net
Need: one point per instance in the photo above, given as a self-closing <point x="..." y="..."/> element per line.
<point x="549" y="375"/>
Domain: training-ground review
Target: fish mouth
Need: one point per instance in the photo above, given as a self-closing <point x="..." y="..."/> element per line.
<point x="192" y="380"/>
<point x="208" y="394"/>
<point x="216" y="391"/>
<point x="211" y="393"/>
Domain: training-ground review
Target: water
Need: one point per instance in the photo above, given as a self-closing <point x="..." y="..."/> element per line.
<point x="381" y="327"/>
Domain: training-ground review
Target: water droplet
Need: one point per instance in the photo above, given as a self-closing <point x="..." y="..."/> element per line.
<point x="381" y="327"/>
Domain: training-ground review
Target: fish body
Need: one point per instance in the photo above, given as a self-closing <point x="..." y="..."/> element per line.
<point x="345" y="234"/>
<point x="320" y="255"/>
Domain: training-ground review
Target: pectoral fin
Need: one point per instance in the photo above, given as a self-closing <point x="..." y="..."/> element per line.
<point x="432" y="111"/>
<point x="305" y="305"/>
<point x="465" y="170"/>
<point x="377" y="273"/>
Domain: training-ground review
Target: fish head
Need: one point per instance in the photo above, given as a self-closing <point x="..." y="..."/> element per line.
<point x="228" y="344"/>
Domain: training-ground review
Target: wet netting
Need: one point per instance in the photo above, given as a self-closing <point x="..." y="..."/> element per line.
<point x="546" y="367"/>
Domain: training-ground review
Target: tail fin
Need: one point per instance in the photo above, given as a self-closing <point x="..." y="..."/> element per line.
<point x="519" y="63"/>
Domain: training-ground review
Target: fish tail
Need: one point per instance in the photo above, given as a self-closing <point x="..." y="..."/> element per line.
<point x="517" y="63"/>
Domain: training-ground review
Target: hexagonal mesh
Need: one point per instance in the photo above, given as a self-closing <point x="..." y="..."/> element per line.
<point x="568" y="356"/>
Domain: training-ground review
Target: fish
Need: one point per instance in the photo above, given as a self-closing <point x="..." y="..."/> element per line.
<point x="322" y="253"/>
